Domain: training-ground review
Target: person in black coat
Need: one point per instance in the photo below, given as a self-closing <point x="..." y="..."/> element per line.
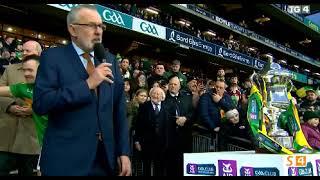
<point x="180" y="136"/>
<point x="151" y="132"/>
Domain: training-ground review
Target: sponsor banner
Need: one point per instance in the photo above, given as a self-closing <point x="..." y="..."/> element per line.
<point x="293" y="52"/>
<point x="201" y="11"/>
<point x="250" y="163"/>
<point x="66" y="7"/>
<point x="115" y="17"/>
<point x="252" y="34"/>
<point x="281" y="47"/>
<point x="222" y="21"/>
<point x="259" y="64"/>
<point x="299" y="77"/>
<point x="311" y="25"/>
<point x="148" y="28"/>
<point x="108" y="15"/>
<point x="265" y="171"/>
<point x="238" y="28"/>
<point x="246" y="171"/>
<point x="234" y="56"/>
<point x="183" y="5"/>
<point x="201" y="169"/>
<point x="227" y="167"/>
<point x="187" y="40"/>
<point x="318" y="167"/>
<point x="301" y="171"/>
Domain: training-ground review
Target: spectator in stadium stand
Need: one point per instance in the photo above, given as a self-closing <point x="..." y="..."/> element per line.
<point x="221" y="74"/>
<point x="193" y="91"/>
<point x="310" y="103"/>
<point x="234" y="90"/>
<point x="5" y="60"/>
<point x="139" y="82"/>
<point x="210" y="84"/>
<point x="151" y="133"/>
<point x="155" y="84"/>
<point x="164" y="85"/>
<point x="135" y="73"/>
<point x="211" y="105"/>
<point x="17" y="127"/>
<point x="157" y="74"/>
<point x="87" y="133"/>
<point x="19" y="51"/>
<point x="13" y="58"/>
<point x="311" y="129"/>
<point x="139" y="97"/>
<point x="127" y="89"/>
<point x="124" y="68"/>
<point x="175" y="70"/>
<point x="8" y="44"/>
<point x="1" y="47"/>
<point x="233" y="126"/>
<point x="180" y="135"/>
<point x="136" y="69"/>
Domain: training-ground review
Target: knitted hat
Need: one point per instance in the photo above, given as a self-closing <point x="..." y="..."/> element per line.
<point x="310" y="115"/>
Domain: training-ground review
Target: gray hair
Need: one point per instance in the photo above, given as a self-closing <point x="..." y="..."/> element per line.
<point x="73" y="14"/>
<point x="38" y="47"/>
<point x="162" y="92"/>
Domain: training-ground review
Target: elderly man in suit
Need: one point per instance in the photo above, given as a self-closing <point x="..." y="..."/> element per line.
<point x="87" y="127"/>
<point x="179" y="129"/>
<point x="19" y="147"/>
<point x="151" y="132"/>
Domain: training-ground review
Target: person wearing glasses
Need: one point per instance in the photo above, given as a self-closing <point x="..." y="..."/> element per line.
<point x="87" y="133"/>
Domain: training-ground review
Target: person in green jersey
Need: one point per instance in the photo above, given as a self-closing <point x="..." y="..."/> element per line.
<point x="25" y="91"/>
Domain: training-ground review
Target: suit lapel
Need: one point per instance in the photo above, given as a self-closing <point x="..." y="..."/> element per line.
<point x="76" y="61"/>
<point x="105" y="89"/>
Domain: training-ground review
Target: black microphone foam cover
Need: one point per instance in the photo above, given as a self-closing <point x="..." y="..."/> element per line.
<point x="99" y="52"/>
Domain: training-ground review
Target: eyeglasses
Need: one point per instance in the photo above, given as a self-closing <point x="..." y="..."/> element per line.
<point x="92" y="26"/>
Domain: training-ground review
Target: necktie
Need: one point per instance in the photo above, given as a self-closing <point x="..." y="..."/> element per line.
<point x="90" y="66"/>
<point x="177" y="106"/>
<point x="156" y="109"/>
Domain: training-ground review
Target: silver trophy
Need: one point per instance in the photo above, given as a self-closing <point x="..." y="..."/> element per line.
<point x="278" y="84"/>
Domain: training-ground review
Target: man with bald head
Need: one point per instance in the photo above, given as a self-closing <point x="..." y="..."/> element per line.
<point x="19" y="147"/>
<point x="180" y="112"/>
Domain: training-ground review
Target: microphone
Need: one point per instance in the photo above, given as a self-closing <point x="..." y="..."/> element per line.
<point x="100" y="52"/>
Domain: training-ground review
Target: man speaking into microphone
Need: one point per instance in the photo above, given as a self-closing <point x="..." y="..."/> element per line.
<point x="83" y="96"/>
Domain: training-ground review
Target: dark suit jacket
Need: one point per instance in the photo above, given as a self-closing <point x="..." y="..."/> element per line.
<point x="75" y="113"/>
<point x="152" y="142"/>
<point x="180" y="136"/>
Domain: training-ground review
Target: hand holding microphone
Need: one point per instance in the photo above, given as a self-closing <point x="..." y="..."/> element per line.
<point x="103" y="71"/>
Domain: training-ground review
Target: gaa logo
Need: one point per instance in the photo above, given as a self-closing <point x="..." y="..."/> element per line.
<point x="113" y="17"/>
<point x="148" y="28"/>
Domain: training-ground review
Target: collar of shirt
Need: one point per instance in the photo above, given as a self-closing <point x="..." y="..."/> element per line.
<point x="80" y="52"/>
<point x="174" y="95"/>
<point x="154" y="105"/>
